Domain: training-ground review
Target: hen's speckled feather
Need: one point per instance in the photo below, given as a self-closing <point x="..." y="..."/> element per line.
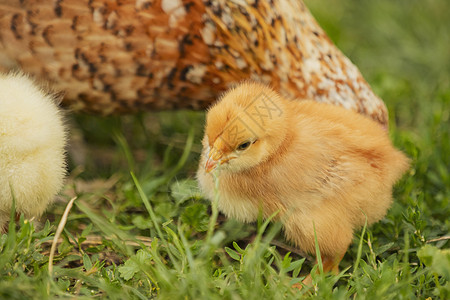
<point x="126" y="56"/>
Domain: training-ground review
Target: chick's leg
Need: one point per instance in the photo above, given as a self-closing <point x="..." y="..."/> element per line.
<point x="324" y="227"/>
<point x="4" y="222"/>
<point x="329" y="264"/>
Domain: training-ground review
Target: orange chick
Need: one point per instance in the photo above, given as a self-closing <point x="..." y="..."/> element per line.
<point x="323" y="168"/>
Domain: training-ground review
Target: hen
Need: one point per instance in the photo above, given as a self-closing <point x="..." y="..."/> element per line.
<point x="127" y="56"/>
<point x="32" y="142"/>
<point x="323" y="168"/>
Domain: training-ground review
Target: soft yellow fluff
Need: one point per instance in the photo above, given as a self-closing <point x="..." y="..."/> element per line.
<point x="32" y="142"/>
<point x="318" y="165"/>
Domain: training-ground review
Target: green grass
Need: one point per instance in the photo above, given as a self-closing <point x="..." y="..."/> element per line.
<point x="139" y="228"/>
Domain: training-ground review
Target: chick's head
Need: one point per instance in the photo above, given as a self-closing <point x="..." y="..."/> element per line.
<point x="244" y="128"/>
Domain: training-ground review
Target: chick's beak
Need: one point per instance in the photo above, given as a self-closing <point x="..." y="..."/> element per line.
<point x="214" y="157"/>
<point x="210" y="165"/>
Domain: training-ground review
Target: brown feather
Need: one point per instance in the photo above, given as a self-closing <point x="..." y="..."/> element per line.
<point x="126" y="56"/>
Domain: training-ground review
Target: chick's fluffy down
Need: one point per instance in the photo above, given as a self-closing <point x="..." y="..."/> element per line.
<point x="32" y="141"/>
<point x="320" y="167"/>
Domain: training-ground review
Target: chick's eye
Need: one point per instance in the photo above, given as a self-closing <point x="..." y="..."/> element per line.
<point x="244" y="146"/>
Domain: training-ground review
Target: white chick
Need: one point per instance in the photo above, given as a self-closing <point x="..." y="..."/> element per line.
<point x="32" y="147"/>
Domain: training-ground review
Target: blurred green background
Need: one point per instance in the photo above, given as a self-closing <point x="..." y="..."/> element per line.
<point x="401" y="47"/>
